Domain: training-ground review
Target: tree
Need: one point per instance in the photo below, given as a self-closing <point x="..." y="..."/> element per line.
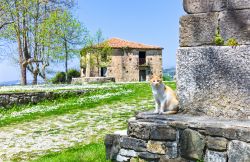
<point x="70" y="36"/>
<point x="96" y="53"/>
<point x="22" y="21"/>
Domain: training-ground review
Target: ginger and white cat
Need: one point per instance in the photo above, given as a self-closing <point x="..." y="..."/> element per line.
<point x="165" y="98"/>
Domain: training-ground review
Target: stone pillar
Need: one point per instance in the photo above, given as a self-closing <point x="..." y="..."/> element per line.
<point x="214" y="80"/>
<point x="88" y="65"/>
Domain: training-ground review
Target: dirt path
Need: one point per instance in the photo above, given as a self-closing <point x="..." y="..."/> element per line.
<point x="29" y="140"/>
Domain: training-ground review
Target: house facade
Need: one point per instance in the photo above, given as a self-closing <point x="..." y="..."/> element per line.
<point x="129" y="62"/>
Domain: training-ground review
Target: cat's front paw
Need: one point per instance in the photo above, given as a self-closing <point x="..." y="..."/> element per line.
<point x="156" y="112"/>
<point x="161" y="112"/>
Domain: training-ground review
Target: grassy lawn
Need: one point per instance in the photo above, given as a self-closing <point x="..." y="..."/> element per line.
<point x="94" y="152"/>
<point x="97" y="113"/>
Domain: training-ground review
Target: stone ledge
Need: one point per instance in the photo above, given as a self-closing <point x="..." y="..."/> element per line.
<point x="232" y="129"/>
<point x="197" y="138"/>
<point x="92" y="80"/>
<point x="203" y="6"/>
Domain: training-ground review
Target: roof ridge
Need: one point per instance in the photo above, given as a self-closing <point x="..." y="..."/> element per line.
<point x="126" y="43"/>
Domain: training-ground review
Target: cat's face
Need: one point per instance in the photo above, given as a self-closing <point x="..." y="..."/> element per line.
<point x="155" y="80"/>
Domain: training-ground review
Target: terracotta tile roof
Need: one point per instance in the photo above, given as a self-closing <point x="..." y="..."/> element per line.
<point x="120" y="43"/>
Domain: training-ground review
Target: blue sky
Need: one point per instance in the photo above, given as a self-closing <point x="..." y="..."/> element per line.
<point x="153" y="22"/>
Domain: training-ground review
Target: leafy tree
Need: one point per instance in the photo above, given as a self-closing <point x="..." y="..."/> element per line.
<point x="23" y="22"/>
<point x="69" y="36"/>
<point x="97" y="50"/>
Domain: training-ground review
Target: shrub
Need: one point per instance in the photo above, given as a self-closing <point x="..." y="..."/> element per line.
<point x="72" y="73"/>
<point x="218" y="40"/>
<point x="59" y="78"/>
<point x="232" y="42"/>
<point x="167" y="78"/>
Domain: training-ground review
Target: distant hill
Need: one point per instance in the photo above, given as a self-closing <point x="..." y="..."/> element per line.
<point x="169" y="72"/>
<point x="17" y="82"/>
<point x="10" y="83"/>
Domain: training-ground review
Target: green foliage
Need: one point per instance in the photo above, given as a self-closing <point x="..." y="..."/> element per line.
<point x="218" y="40"/>
<point x="167" y="78"/>
<point x="99" y="51"/>
<point x="94" y="152"/>
<point x="72" y="73"/>
<point x="59" y="78"/>
<point x="232" y="42"/>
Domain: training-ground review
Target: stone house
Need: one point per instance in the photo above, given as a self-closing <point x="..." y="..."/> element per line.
<point x="129" y="61"/>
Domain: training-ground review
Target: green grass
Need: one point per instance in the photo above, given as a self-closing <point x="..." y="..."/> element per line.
<point x="94" y="152"/>
<point x="69" y="103"/>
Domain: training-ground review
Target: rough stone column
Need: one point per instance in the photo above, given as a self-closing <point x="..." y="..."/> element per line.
<point x="88" y="65"/>
<point x="214" y="80"/>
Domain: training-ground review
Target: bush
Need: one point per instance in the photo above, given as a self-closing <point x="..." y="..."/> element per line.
<point x="167" y="78"/>
<point x="232" y="42"/>
<point x="218" y="40"/>
<point x="60" y="77"/>
<point x="72" y="73"/>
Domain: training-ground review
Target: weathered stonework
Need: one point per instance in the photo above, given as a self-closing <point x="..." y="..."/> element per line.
<point x="196" y="30"/>
<point x="214" y="81"/>
<point x="217" y="143"/>
<point x="238" y="151"/>
<point x="203" y="137"/>
<point x="200" y="29"/>
<point x="204" y="6"/>
<point x="128" y="62"/>
<point x="213" y="156"/>
<point x="10" y="99"/>
<point x="192" y="144"/>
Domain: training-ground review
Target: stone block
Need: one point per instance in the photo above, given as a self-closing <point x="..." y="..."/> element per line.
<point x="203" y="6"/>
<point x="214" y="81"/>
<point x="192" y="145"/>
<point x="197" y="30"/>
<point x="133" y="143"/>
<point x="235" y="24"/>
<point x="217" y="143"/>
<point x="166" y="159"/>
<point x="136" y="159"/>
<point x="34" y="99"/>
<point x="139" y="130"/>
<point x="149" y="156"/>
<point x="238" y="4"/>
<point x="163" y="132"/>
<point x="169" y="149"/>
<point x="213" y="156"/>
<point x="112" y="144"/>
<point x="238" y="151"/>
<point x="120" y="158"/>
<point x="156" y="147"/>
<point x="200" y="29"/>
<point x="128" y="153"/>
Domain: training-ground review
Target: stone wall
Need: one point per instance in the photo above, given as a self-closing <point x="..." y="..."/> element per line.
<point x="214" y="80"/>
<point x="125" y="64"/>
<point x="180" y="138"/>
<point x="10" y="99"/>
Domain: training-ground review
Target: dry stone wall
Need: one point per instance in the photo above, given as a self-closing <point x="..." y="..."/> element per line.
<point x="180" y="138"/>
<point x="214" y="80"/>
<point x="9" y="99"/>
